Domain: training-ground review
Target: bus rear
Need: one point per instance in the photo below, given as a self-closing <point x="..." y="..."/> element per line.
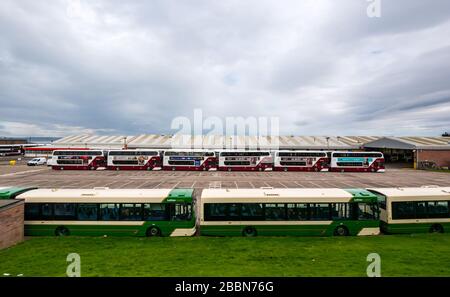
<point x="133" y="160"/>
<point x="78" y="159"/>
<point x="245" y="160"/>
<point x="357" y="162"/>
<point x="199" y="160"/>
<point x="301" y="161"/>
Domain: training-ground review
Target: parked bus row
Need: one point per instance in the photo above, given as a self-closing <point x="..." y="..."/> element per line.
<point x="227" y="160"/>
<point x="233" y="212"/>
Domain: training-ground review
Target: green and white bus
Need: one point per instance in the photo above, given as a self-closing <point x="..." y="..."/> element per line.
<point x="103" y="211"/>
<point x="414" y="210"/>
<point x="273" y="212"/>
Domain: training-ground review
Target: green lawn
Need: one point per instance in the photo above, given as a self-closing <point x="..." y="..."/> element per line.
<point x="416" y="255"/>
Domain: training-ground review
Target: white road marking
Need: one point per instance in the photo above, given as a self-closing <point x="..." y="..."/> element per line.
<point x="22" y="172"/>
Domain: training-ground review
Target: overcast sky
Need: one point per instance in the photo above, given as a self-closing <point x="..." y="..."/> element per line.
<point x="322" y="66"/>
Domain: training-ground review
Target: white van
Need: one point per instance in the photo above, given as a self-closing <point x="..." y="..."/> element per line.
<point x="37" y="162"/>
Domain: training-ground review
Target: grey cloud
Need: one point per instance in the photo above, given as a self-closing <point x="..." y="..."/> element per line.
<point x="120" y="67"/>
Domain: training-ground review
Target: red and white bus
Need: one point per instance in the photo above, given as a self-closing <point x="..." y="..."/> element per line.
<point x="11" y="150"/>
<point x="133" y="160"/>
<point x="245" y="160"/>
<point x="78" y="159"/>
<point x="44" y="152"/>
<point x="301" y="161"/>
<point x="357" y="162"/>
<point x="189" y="160"/>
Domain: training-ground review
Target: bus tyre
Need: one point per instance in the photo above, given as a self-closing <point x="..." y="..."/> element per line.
<point x="153" y="231"/>
<point x="249" y="232"/>
<point x="62" y="231"/>
<point x="436" y="228"/>
<point x="341" y="231"/>
<point x="285" y="169"/>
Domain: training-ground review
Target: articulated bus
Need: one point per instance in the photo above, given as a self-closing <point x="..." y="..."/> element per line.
<point x="189" y="160"/>
<point x="357" y="162"/>
<point x="414" y="210"/>
<point x="301" y="161"/>
<point x="101" y="211"/>
<point x="78" y="159"/>
<point x="272" y="212"/>
<point x="133" y="160"/>
<point x="233" y="212"/>
<point x="245" y="160"/>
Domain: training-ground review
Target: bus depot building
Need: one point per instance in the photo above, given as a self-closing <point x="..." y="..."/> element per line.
<point x="404" y="151"/>
<point x="414" y="151"/>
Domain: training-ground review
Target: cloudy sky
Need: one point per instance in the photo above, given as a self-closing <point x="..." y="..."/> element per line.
<point x="322" y="66"/>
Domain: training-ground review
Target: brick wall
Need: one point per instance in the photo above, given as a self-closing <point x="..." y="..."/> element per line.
<point x="442" y="158"/>
<point x="11" y="224"/>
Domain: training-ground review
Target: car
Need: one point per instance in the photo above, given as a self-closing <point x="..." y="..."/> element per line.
<point x="37" y="162"/>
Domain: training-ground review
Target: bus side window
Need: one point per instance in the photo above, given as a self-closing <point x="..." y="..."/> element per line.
<point x="367" y="211"/>
<point x="183" y="212"/>
<point x="87" y="212"/>
<point x="32" y="211"/>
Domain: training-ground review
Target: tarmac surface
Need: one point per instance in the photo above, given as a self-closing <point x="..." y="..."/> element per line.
<point x="45" y="177"/>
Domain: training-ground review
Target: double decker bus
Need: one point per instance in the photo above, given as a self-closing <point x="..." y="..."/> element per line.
<point x="103" y="211"/>
<point x="11" y="150"/>
<point x="245" y="160"/>
<point x="276" y="212"/>
<point x="414" y="210"/>
<point x="133" y="160"/>
<point x="78" y="159"/>
<point x="44" y="152"/>
<point x="301" y="161"/>
<point x="357" y="162"/>
<point x="189" y="160"/>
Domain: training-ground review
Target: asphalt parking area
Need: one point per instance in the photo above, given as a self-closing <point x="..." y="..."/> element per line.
<point x="45" y="177"/>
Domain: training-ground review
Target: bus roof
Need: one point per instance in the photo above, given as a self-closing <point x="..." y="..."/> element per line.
<point x="419" y="193"/>
<point x="12" y="192"/>
<point x="362" y="195"/>
<point x="275" y="195"/>
<point x="105" y="195"/>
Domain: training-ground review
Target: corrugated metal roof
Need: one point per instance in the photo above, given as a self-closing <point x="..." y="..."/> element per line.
<point x="411" y="142"/>
<point x="252" y="142"/>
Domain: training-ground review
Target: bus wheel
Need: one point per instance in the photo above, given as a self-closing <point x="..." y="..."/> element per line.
<point x="285" y="169"/>
<point x="62" y="231"/>
<point x="229" y="169"/>
<point x="341" y="231"/>
<point x="249" y="232"/>
<point x="436" y="228"/>
<point x="153" y="231"/>
<point x="316" y="169"/>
